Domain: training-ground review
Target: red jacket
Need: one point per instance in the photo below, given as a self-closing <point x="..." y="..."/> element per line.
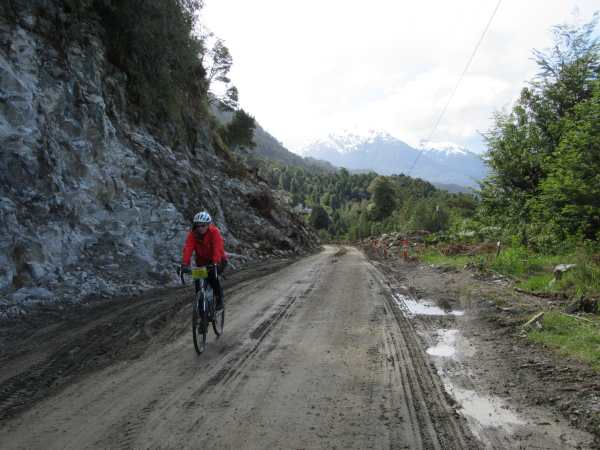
<point x="209" y="249"/>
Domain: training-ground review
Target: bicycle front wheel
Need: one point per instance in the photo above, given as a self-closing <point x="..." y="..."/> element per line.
<point x="200" y="323"/>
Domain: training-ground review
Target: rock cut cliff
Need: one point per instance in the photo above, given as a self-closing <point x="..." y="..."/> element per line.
<point x="94" y="202"/>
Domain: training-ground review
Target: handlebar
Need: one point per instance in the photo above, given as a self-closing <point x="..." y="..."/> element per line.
<point x="182" y="270"/>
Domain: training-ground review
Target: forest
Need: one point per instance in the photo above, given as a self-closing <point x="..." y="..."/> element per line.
<point x="354" y="206"/>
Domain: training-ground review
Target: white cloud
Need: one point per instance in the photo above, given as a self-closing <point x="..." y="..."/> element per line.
<point x="307" y="68"/>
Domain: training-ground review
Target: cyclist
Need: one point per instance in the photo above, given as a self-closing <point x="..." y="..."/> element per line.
<point x="206" y="241"/>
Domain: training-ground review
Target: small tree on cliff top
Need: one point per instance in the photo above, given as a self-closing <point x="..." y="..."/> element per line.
<point x="240" y="131"/>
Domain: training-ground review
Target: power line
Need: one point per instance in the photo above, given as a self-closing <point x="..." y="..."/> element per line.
<point x="457" y="83"/>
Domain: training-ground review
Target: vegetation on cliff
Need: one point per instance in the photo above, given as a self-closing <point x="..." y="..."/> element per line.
<point x="169" y="66"/>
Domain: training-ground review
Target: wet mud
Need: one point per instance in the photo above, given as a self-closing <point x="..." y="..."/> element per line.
<point x="513" y="393"/>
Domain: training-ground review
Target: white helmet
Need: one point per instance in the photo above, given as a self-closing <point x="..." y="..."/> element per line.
<point x="202" y="217"/>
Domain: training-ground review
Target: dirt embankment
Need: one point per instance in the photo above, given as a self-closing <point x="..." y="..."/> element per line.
<point x="502" y="361"/>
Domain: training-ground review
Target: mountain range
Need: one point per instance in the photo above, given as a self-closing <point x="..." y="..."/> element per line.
<point x="440" y="163"/>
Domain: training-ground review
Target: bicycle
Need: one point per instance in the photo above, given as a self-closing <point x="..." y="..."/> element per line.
<point x="204" y="308"/>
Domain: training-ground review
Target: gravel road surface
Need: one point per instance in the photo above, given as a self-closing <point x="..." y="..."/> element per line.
<point x="313" y="356"/>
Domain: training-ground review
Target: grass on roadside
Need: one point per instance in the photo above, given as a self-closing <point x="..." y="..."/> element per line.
<point x="572" y="336"/>
<point x="541" y="283"/>
<point x="531" y="271"/>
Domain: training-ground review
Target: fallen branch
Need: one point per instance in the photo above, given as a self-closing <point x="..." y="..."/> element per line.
<point x="535" y="320"/>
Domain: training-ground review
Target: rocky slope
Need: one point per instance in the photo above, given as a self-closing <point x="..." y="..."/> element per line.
<point x="93" y="203"/>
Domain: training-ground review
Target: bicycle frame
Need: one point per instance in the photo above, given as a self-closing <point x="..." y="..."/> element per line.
<point x="200" y="286"/>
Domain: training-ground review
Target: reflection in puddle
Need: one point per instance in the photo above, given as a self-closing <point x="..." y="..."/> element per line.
<point x="422" y="308"/>
<point x="487" y="411"/>
<point x="446" y="347"/>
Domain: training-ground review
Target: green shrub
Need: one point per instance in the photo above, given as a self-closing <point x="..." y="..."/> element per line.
<point x="570" y="336"/>
<point x="512" y="261"/>
<point x="239" y="132"/>
<point x="583" y="280"/>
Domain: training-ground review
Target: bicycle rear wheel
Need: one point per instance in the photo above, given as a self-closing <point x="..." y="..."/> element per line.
<point x="200" y="323"/>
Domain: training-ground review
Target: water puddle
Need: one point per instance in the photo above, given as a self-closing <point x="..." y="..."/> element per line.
<point x="486" y="411"/>
<point x="485" y="414"/>
<point x="446" y="346"/>
<point x="422" y="308"/>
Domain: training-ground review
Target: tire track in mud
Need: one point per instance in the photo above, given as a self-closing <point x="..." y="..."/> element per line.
<point x="124" y="436"/>
<point x="238" y="361"/>
<point x="244" y="356"/>
<point x="229" y="368"/>
<point x="90" y="348"/>
<point x="499" y="418"/>
<point x="430" y="418"/>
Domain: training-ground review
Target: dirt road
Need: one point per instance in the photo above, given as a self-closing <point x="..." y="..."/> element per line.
<point x="317" y="354"/>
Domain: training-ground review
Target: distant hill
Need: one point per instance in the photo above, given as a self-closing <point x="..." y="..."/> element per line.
<point x="444" y="163"/>
<point x="270" y="148"/>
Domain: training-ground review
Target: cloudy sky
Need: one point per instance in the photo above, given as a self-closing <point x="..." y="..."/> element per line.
<point x="306" y="69"/>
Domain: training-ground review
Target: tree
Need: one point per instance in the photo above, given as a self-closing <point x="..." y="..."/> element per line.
<point x="570" y="195"/>
<point x="524" y="145"/>
<point x="319" y="218"/>
<point x="217" y="62"/>
<point x="326" y="199"/>
<point x="294" y="185"/>
<point x="383" y="197"/>
<point x="229" y="101"/>
<point x="240" y="131"/>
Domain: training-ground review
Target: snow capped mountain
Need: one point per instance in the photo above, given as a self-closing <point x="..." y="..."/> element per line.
<point x="349" y="141"/>
<point x="447" y="148"/>
<point x="437" y="162"/>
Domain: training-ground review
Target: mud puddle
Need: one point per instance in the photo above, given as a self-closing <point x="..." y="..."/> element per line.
<point x="498" y="422"/>
<point x="448" y="351"/>
<point x="480" y="410"/>
<point x="422" y="307"/>
<point x="484" y="411"/>
<point x="446" y="346"/>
